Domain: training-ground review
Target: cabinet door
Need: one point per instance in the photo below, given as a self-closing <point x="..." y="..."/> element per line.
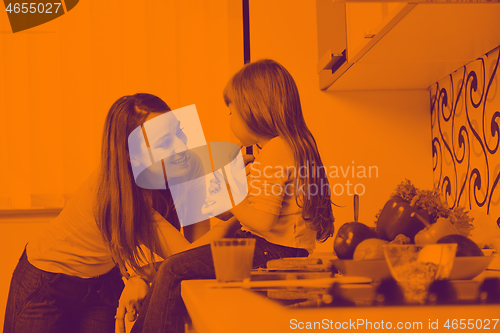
<point x="347" y="30"/>
<point x="332" y="42"/>
<point x="364" y="21"/>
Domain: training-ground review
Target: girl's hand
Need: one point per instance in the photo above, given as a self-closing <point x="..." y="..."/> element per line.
<point x="130" y="301"/>
<point x="248" y="159"/>
<point x="218" y="201"/>
<point x="215" y="183"/>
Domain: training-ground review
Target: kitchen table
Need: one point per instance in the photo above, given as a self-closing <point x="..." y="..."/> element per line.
<point x="221" y="310"/>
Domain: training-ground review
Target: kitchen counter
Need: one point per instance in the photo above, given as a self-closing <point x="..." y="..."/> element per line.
<point x="221" y="310"/>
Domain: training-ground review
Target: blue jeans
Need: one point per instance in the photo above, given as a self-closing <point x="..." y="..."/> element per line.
<point x="163" y="309"/>
<point x="43" y="302"/>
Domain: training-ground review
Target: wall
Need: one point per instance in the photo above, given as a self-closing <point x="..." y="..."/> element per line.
<point x="58" y="80"/>
<point x="386" y="129"/>
<point x="465" y="140"/>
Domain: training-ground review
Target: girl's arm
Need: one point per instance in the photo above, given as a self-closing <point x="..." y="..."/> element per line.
<point x="255" y="219"/>
<point x="267" y="186"/>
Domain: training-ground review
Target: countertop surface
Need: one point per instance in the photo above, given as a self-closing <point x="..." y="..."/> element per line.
<point x="221" y="310"/>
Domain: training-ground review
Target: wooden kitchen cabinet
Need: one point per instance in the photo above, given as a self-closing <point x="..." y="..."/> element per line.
<point x="367" y="45"/>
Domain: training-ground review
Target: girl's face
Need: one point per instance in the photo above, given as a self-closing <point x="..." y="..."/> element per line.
<point x="239" y="128"/>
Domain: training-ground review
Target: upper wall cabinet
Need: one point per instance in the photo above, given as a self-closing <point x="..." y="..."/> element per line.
<point x="366" y="45"/>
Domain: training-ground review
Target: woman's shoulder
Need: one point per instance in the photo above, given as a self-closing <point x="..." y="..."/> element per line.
<point x="79" y="210"/>
<point x="87" y="188"/>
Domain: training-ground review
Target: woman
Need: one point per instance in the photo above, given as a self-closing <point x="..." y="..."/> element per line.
<point x="69" y="279"/>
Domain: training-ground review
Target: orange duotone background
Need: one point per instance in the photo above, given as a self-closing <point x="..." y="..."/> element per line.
<point x="58" y="80"/>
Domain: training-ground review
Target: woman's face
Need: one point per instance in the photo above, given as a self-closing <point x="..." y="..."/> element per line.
<point x="166" y="142"/>
<point x="239" y="128"/>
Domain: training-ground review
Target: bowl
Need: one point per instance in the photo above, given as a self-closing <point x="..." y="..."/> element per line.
<point x="416" y="267"/>
<point x="430" y="261"/>
<point x="374" y="269"/>
<point x="466" y="268"/>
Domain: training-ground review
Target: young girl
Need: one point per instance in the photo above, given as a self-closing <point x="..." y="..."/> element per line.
<point x="69" y="279"/>
<point x="288" y="207"/>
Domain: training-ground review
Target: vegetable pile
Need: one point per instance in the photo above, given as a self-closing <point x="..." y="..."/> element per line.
<point x="429" y="202"/>
<point x="410" y="216"/>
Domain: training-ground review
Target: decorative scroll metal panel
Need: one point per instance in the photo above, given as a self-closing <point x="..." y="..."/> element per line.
<point x="465" y="118"/>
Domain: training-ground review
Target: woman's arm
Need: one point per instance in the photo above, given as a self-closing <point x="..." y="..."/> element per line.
<point x="194" y="231"/>
<point x="220" y="230"/>
<point x="172" y="241"/>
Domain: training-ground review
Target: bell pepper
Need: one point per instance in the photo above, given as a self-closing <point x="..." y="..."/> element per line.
<point x="400" y="217"/>
<point x="433" y="232"/>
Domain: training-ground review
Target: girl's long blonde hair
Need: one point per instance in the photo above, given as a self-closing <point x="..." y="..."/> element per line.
<point x="266" y="96"/>
<point x="123" y="210"/>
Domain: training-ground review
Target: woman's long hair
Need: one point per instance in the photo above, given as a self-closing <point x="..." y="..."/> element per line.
<point x="266" y="96"/>
<point x="123" y="210"/>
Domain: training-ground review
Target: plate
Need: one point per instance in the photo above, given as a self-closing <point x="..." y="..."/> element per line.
<point x="300" y="283"/>
<point x="374" y="269"/>
<point x="306" y="264"/>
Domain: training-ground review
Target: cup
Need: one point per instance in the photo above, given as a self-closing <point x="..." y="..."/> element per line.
<point x="233" y="258"/>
